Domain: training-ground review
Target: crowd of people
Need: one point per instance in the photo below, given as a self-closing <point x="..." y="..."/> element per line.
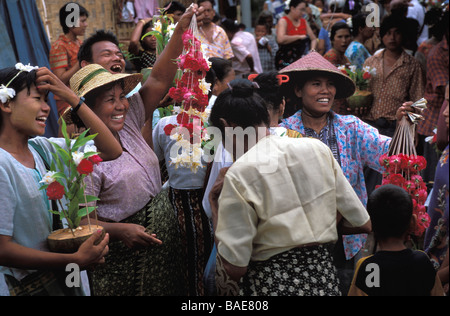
<point x="310" y="227"/>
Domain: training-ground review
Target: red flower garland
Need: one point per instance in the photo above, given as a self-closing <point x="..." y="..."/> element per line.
<point x="403" y="171"/>
<point x="191" y="92"/>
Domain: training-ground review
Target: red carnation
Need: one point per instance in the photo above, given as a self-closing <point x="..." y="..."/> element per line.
<point x="421" y="196"/>
<point x="397" y="179"/>
<point x="409" y="185"/>
<point x="168" y="129"/>
<point x="55" y="191"/>
<point x="417" y="179"/>
<point x="177" y="94"/>
<point x="183" y="118"/>
<point x="384" y="160"/>
<point x="419" y="163"/>
<point x="95" y="159"/>
<point x="366" y="76"/>
<point x="85" y="167"/>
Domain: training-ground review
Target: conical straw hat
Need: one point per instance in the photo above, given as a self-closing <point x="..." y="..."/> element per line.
<point x="94" y="76"/>
<point x="315" y="64"/>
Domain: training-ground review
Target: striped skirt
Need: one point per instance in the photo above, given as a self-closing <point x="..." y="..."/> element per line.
<point x="196" y="235"/>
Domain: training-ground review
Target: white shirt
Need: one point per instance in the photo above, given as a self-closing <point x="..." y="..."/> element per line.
<point x="243" y="44"/>
<point x="283" y="193"/>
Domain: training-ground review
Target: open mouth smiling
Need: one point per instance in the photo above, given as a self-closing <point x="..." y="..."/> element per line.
<point x="116" y="68"/>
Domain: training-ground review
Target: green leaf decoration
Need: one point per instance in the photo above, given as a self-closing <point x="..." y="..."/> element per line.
<point x="64" y="170"/>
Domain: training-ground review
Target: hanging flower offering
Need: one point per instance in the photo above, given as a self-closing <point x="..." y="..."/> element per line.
<point x="403" y="171"/>
<point x="191" y="93"/>
<point x="64" y="183"/>
<point x="402" y="168"/>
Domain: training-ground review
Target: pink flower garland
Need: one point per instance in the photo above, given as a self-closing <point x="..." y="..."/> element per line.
<point x="191" y="92"/>
<point x="403" y="171"/>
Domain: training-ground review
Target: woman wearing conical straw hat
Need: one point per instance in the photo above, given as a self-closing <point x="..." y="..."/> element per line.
<point x="315" y="84"/>
<point x="144" y="250"/>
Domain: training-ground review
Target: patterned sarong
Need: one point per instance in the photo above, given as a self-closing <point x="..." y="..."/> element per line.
<point x="196" y="235"/>
<point x="306" y="271"/>
<point x="154" y="271"/>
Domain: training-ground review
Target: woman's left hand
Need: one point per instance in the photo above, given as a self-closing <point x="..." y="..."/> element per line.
<point x="46" y="80"/>
<point x="401" y="112"/>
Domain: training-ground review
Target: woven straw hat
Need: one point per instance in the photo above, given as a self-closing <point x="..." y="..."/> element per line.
<point x="94" y="76"/>
<point x="314" y="64"/>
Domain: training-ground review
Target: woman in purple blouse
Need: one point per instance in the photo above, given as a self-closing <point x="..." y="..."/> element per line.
<point x="144" y="255"/>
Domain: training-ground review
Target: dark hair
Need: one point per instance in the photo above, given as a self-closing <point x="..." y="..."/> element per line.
<point x="339" y="26"/>
<point x="221" y="67"/>
<point x="358" y="21"/>
<point x="262" y="19"/>
<point x="239" y="105"/>
<point x="393" y="21"/>
<point x="263" y="23"/>
<point x="230" y="25"/>
<point x="174" y="6"/>
<point x="64" y="13"/>
<point x="211" y="79"/>
<point x="211" y="1"/>
<point x="294" y="3"/>
<point x="23" y="81"/>
<point x="269" y="89"/>
<point x="411" y="34"/>
<point x="437" y="21"/>
<point x="390" y="208"/>
<point x="85" y="52"/>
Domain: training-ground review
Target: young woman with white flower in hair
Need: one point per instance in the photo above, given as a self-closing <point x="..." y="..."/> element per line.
<point x="25" y="220"/>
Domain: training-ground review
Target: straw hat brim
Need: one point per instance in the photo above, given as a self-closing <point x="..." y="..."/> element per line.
<point x="314" y="65"/>
<point x="102" y="78"/>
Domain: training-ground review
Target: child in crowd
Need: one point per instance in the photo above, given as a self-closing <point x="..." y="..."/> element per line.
<point x="267" y="46"/>
<point x="143" y="48"/>
<point x="394" y="270"/>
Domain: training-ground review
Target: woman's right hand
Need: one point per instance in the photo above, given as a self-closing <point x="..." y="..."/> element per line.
<point x="89" y="255"/>
<point x="47" y="80"/>
<point x="136" y="237"/>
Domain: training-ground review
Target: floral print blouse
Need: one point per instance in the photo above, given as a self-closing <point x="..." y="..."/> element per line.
<point x="359" y="145"/>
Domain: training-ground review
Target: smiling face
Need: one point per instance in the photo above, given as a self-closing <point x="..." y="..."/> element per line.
<point x="317" y="95"/>
<point x="108" y="55"/>
<point x="111" y="106"/>
<point x="28" y="112"/>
